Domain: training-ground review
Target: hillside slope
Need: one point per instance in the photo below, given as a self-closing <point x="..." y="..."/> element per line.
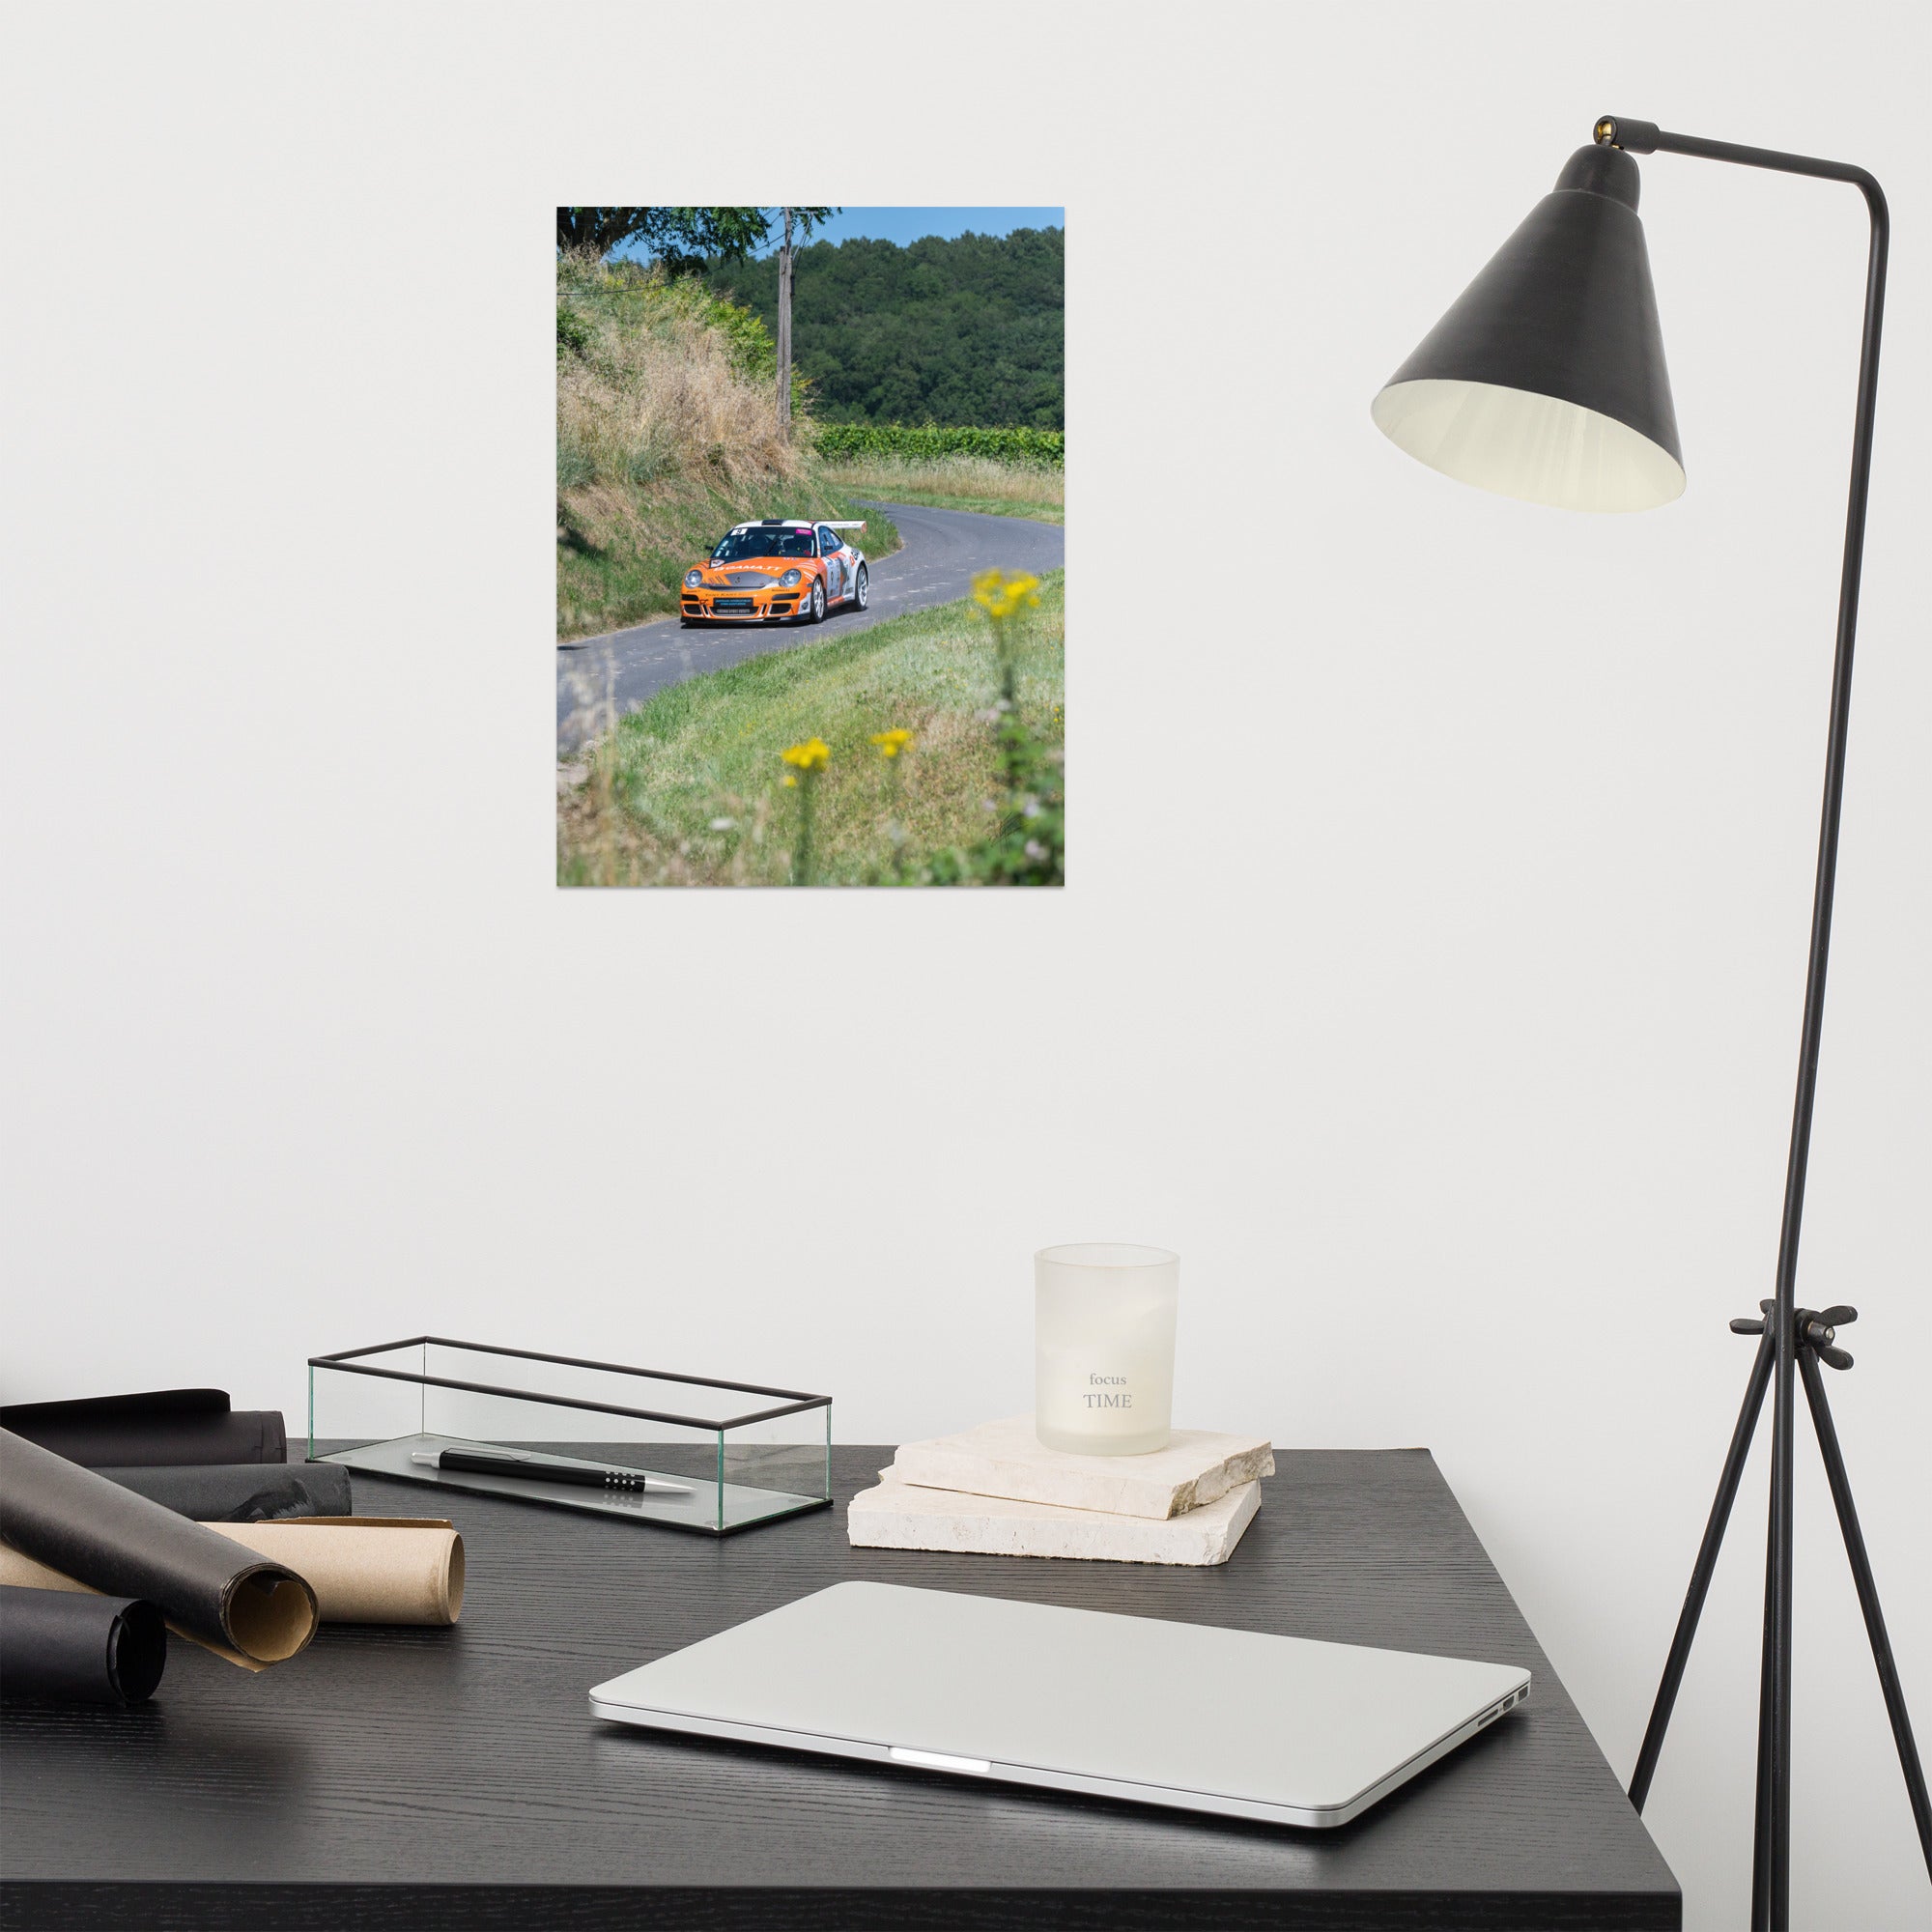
<point x="666" y="434"/>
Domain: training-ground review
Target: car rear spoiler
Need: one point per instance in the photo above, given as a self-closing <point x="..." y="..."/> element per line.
<point x="844" y="527"/>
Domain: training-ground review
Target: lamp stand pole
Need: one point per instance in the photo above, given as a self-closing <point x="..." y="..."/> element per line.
<point x="1794" y="1339"/>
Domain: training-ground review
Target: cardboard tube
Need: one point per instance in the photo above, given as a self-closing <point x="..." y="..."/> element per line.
<point x="89" y="1533"/>
<point x="366" y="1570"/>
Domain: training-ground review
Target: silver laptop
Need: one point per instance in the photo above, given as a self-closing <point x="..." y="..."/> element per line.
<point x="1279" y="1728"/>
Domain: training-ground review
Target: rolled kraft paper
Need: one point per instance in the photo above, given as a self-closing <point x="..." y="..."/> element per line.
<point x="105" y="1538"/>
<point x="22" y="1573"/>
<point x="242" y="1492"/>
<point x="79" y="1649"/>
<point x="159" y="1426"/>
<point x="363" y="1570"/>
<point x="367" y="1570"/>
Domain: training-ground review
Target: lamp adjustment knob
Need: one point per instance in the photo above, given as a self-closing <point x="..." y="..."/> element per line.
<point x="1819" y="1329"/>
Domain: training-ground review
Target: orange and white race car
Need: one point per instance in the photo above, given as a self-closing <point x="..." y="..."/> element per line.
<point x="783" y="570"/>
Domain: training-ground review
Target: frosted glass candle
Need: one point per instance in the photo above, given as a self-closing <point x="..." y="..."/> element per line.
<point x="1103" y="1346"/>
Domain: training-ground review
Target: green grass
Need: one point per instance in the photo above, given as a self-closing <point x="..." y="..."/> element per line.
<point x="986" y="506"/>
<point x="706" y="751"/>
<point x="621" y="552"/>
<point x="958" y="483"/>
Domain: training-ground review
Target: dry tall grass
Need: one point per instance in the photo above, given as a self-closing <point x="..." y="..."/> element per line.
<point x="660" y="390"/>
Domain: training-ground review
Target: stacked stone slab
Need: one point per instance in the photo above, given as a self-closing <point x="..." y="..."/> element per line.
<point x="997" y="1490"/>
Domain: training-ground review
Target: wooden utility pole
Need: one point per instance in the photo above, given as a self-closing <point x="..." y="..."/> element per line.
<point x="784" y="330"/>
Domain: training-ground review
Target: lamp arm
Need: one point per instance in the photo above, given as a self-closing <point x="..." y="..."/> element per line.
<point x="1771" y="1905"/>
<point x="1646" y="137"/>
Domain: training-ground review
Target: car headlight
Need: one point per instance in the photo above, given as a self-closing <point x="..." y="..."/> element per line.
<point x="693" y="579"/>
<point x="791" y="578"/>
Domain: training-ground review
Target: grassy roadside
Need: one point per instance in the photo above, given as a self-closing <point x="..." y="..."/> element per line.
<point x="689" y="790"/>
<point x="957" y="483"/>
<point x="628" y="567"/>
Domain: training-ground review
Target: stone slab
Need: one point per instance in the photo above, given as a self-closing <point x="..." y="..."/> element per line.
<point x="1006" y="1458"/>
<point x="903" y="1516"/>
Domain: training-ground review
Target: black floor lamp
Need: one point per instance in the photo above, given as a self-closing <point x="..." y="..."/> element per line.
<point x="1547" y="381"/>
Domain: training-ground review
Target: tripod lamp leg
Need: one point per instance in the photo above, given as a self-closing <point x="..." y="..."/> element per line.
<point x="1868" y="1588"/>
<point x="1761" y="1829"/>
<point x="1777" y="1628"/>
<point x="1701" y="1574"/>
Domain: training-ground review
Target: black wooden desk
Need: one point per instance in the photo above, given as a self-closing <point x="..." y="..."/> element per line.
<point x="420" y="1779"/>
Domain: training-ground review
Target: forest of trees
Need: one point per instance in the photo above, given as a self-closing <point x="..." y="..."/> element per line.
<point x="968" y="331"/>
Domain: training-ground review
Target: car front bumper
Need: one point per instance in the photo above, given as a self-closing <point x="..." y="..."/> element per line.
<point x="727" y="607"/>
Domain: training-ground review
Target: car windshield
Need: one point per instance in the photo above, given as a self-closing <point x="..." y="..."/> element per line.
<point x="762" y="541"/>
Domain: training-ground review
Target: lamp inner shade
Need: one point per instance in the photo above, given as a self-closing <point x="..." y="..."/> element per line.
<point x="1519" y="443"/>
<point x="1545" y="380"/>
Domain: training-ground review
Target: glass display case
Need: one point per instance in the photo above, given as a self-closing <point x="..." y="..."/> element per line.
<point x="682" y="1452"/>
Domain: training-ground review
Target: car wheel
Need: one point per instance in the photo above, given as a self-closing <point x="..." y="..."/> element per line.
<point x="862" y="589"/>
<point x="816" y="610"/>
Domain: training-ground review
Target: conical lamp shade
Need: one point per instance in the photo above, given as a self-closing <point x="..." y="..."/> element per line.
<point x="1545" y="381"/>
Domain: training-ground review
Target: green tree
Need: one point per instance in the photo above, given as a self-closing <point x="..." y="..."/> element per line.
<point x="682" y="239"/>
<point x="970" y="331"/>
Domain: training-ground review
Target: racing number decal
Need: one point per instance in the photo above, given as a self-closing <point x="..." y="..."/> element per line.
<point x="835" y="564"/>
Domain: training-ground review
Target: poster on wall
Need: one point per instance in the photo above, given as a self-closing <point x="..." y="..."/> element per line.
<point x="810" y="507"/>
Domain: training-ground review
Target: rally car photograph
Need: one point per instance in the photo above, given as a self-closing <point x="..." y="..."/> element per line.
<point x="777" y="571"/>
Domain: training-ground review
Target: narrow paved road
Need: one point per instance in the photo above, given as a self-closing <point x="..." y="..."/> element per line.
<point x="944" y="550"/>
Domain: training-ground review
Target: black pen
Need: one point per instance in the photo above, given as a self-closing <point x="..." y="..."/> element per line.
<point x="530" y="1468"/>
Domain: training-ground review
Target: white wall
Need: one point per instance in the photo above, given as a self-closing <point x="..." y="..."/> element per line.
<point x="1430" y="970"/>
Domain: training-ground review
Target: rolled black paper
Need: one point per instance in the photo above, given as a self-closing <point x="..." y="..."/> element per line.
<point x="77" y="1648"/>
<point x="118" y="1543"/>
<point x="242" y="1492"/>
<point x="162" y="1425"/>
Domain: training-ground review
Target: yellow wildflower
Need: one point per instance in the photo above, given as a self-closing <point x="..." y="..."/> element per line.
<point x="892" y="743"/>
<point x="813" y="756"/>
<point x="787" y="780"/>
<point x="999" y="595"/>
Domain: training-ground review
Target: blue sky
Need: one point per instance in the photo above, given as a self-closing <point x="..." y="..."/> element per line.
<point x="909" y="224"/>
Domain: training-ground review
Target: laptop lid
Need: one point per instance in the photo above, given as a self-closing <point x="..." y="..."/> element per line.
<point x="1232" y="1721"/>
